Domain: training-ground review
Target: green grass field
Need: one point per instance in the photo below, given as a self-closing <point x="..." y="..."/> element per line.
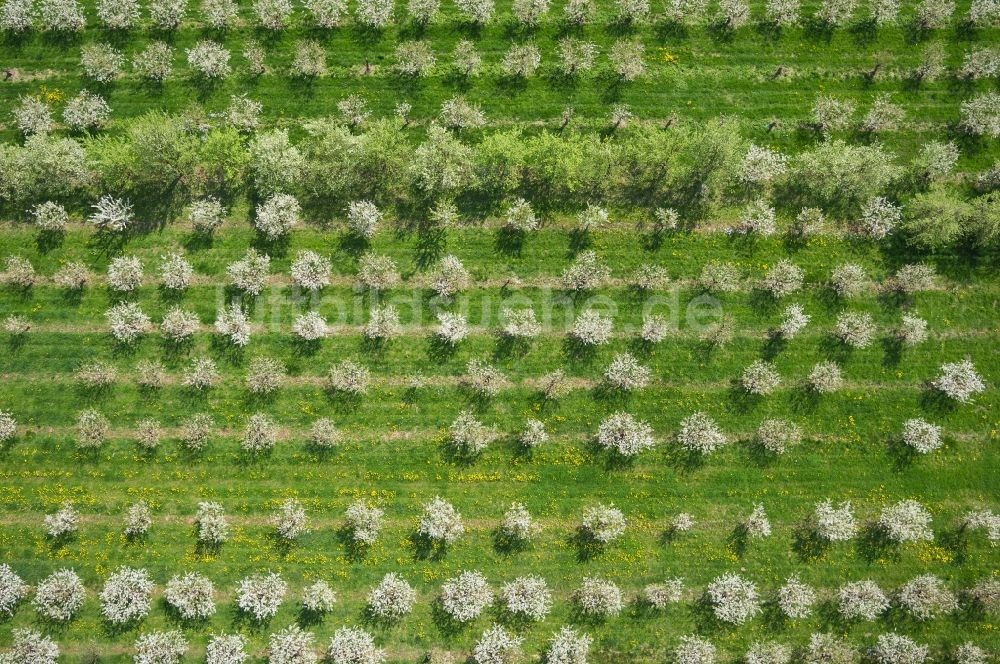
<point x="395" y="452"/>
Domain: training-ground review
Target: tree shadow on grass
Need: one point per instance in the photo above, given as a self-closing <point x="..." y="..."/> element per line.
<point x="807" y="544"/>
<point x="873" y="544"/>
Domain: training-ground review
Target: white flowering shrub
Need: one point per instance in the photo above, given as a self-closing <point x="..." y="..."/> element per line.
<point x="465" y="596"/>
<point x="392" y="599"/>
<point x="496" y="646"/>
<point x="598" y="598"/>
<point x="660" y="595"/>
<point x="260" y="434"/>
<point x="206" y="214"/>
<point x="833" y="523"/>
<point x="879" y="218"/>
<point x="30" y="647"/>
<point x="922" y="436"/>
<point x="913" y="278"/>
<point x="264" y="376"/>
<point x="894" y="648"/>
<point x="694" y="650"/>
<point x="586" y="273"/>
<point x="830" y="114"/>
<point x="794" y="320"/>
<point x="374" y="14"/>
<point x="762" y="165"/>
<point x="277" y="216"/>
<point x="209" y="59"/>
<point x="377" y="272"/>
<point x="700" y="434"/>
<point x="196" y="430"/>
<point x="191" y="595"/>
<point x="825" y="377"/>
<point x="719" y="277"/>
<point x="125" y="274"/>
<point x="768" y="652"/>
<point x="250" y="273"/>
<point x="760" y="378"/>
<point x="17" y="15"/>
<point x="13" y="589"/>
<point x="603" y="523"/>
<point x="468" y="436"/>
<point x="734" y="599"/>
<point x="483" y="378"/>
<point x="783" y="278"/>
<point x="289" y="520"/>
<point x="777" y="435"/>
<point x="849" y="280"/>
<point x="91" y="430"/>
<point x="795" y="598"/>
<point x="148" y="434"/>
<point x="926" y="597"/>
<point x="33" y="116"/>
<point x="364" y="521"/>
<point x="624" y="435"/>
<point x="118" y="14"/>
<point x="272" y="14"/>
<point x="959" y="381"/>
<point x="179" y="325"/>
<point x="757" y="525"/>
<point x="138" y="519"/>
<point x="310" y="326"/>
<point x="441" y="522"/>
<point x="126" y="596"/>
<point x="861" y="600"/>
<point x="354" y="646"/>
<point x="527" y="597"/>
<point x="61" y="16"/>
<point x="970" y="653"/>
<point x="568" y="647"/>
<point x="97" y="375"/>
<point x="348" y="377"/>
<point x="160" y="648"/>
<point x="211" y="523"/>
<point x="59" y="596"/>
<point x="912" y="330"/>
<point x="318" y="598"/>
<point x="86" y="111"/>
<point x="175" y="271"/>
<point x="232" y="323"/>
<point x="758" y="217"/>
<point x="155" y="62"/>
<point x="226" y="649"/>
<point x="855" y="329"/>
<point x="150" y="374"/>
<point x="520" y="323"/>
<point x="451" y="328"/>
<point x="592" y="329"/>
<point x="906" y="521"/>
<point x="323" y="434"/>
<point x="414" y="58"/>
<point x="292" y="645"/>
<point x="827" y="648"/>
<point x="101" y="62"/>
<point x="50" y="217"/>
<point x="16" y="326"/>
<point x="326" y="14"/>
<point x="112" y="214"/>
<point x="310" y="271"/>
<point x="625" y="373"/>
<point x="259" y="596"/>
<point x="520" y="216"/>
<point x="521" y="61"/>
<point x="518" y="525"/>
<point x="984" y="520"/>
<point x="167" y="14"/>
